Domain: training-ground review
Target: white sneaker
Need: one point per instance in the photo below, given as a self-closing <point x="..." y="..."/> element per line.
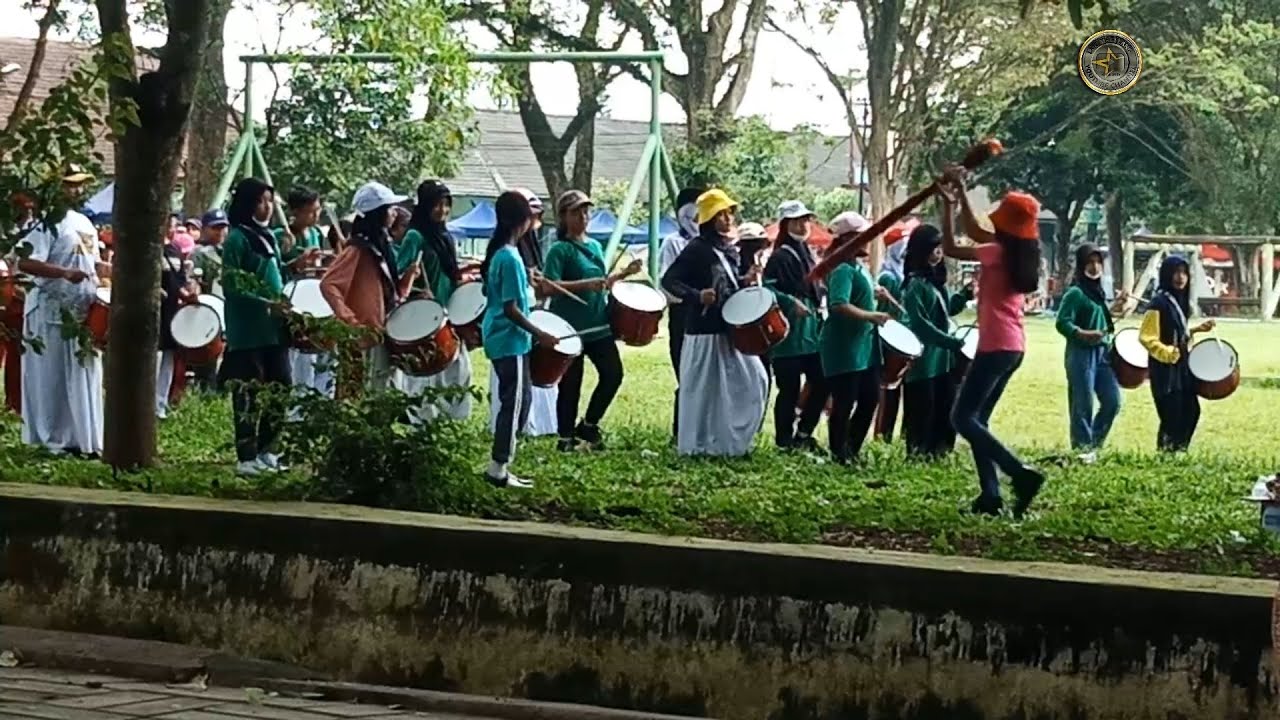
<point x="1089" y="458"/>
<point x="250" y="467"/>
<point x="509" y="481"/>
<point x="271" y="461"/>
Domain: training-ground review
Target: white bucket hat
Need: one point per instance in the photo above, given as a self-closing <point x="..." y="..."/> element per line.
<point x="374" y="195"/>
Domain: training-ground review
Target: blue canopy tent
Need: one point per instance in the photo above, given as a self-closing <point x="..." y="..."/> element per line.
<point x="602" y="224"/>
<point x="478" y="222"/>
<point x="98" y="209"/>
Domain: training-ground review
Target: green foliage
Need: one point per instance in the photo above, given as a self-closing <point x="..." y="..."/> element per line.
<point x="833" y="202"/>
<point x="757" y="165"/>
<point x="345" y="123"/>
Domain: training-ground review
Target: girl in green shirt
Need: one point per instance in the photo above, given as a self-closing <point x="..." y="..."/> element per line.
<point x="1084" y="319"/>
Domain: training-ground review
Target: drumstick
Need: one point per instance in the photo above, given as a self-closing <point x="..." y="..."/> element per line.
<point x="588" y="331"/>
<point x="563" y="290"/>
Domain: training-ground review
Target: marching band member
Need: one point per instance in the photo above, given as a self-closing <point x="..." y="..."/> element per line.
<point x="797" y="357"/>
<point x="929" y="388"/>
<point x="891" y="278"/>
<point x="1010" y="262"/>
<point x="850" y="352"/>
<point x="257" y="352"/>
<point x="301" y="244"/>
<point x="508" y="332"/>
<point x="11" y="336"/>
<point x="723" y="393"/>
<point x="672" y="246"/>
<point x="175" y="291"/>
<point x="400" y="217"/>
<point x="1167" y="335"/>
<point x="62" y="402"/>
<point x="576" y="263"/>
<point x="427" y="244"/>
<point x="363" y="285"/>
<point x="1084" y="319"/>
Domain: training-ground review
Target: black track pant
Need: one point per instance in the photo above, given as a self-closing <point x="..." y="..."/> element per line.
<point x="853" y="406"/>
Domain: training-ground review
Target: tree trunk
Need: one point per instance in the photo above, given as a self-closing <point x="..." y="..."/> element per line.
<point x="584" y="157"/>
<point x="207" y="141"/>
<point x="1115" y="240"/>
<point x="21" y="102"/>
<point x="1062" y="247"/>
<point x="144" y="186"/>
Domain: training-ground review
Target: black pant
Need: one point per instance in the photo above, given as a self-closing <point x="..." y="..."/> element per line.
<point x="989" y="375"/>
<point x="1179" y="414"/>
<point x="789" y="371"/>
<point x="926" y="416"/>
<point x="515" y="395"/>
<point x="853" y="406"/>
<point x="887" y="415"/>
<point x="675" y="341"/>
<point x="605" y="359"/>
<point x="250" y="371"/>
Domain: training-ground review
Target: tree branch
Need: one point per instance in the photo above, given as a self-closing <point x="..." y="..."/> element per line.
<point x="21" y="102"/>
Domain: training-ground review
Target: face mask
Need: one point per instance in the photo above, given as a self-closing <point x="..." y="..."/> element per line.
<point x="1093" y="274"/>
<point x="800" y="237"/>
<point x="260" y="223"/>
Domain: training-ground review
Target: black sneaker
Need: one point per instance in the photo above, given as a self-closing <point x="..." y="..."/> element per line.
<point x="567" y="445"/>
<point x="1025" y="487"/>
<point x="590" y="434"/>
<point x="806" y="444"/>
<point x="982" y="505"/>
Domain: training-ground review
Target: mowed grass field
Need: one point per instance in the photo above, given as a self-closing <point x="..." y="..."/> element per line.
<point x="1133" y="508"/>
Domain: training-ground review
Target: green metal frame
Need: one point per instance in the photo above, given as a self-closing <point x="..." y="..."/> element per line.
<point x="654" y="165"/>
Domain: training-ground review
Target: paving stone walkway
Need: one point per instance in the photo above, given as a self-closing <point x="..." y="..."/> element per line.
<point x="33" y="694"/>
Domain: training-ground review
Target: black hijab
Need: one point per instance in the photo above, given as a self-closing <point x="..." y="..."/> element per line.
<point x="924" y="239"/>
<point x="369" y="232"/>
<point x="244" y="202"/>
<point x="707" y="233"/>
<point x="430" y="193"/>
<point x="1177" y="302"/>
<point x="1092" y="287"/>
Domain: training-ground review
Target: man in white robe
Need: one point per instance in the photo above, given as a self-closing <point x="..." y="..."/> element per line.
<point x="62" y="400"/>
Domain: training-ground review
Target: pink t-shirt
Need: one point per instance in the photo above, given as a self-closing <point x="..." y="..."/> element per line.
<point x="999" y="305"/>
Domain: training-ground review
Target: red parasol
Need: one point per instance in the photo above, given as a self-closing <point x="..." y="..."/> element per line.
<point x="900" y="231"/>
<point x="819" y="238"/>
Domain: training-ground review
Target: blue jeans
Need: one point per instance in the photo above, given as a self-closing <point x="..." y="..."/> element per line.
<point x="1089" y="373"/>
<point x="985" y="382"/>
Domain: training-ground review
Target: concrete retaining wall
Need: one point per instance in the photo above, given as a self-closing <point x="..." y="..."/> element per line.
<point x="729" y="630"/>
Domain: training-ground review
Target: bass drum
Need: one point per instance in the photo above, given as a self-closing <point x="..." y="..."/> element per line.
<point x="756" y="323"/>
<point x="1129" y="359"/>
<point x="548" y="365"/>
<point x="635" y="312"/>
<point x="1216" y="367"/>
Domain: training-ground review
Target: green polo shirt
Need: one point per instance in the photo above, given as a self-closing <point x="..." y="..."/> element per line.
<point x="926" y="306"/>
<point x="250" y="279"/>
<point x="805" y="335"/>
<point x="414" y="246"/>
<point x="890" y="282"/>
<point x="1077" y="311"/>
<point x="848" y="345"/>
<point x="311" y="238"/>
<point x="570" y="261"/>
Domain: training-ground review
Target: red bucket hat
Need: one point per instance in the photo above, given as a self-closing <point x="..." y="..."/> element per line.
<point x="1017" y="215"/>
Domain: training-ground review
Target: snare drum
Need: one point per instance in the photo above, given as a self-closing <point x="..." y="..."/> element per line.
<point x="420" y="340"/>
<point x="756" y="322"/>
<point x="1216" y="368"/>
<point x="968" y="334"/>
<point x="466" y="312"/>
<point x="305" y="299"/>
<point x="901" y="348"/>
<point x="635" y="310"/>
<point x="1128" y="359"/>
<point x="548" y="365"/>
<point x="99" y="317"/>
<point x="219" y="306"/>
<point x="197" y="329"/>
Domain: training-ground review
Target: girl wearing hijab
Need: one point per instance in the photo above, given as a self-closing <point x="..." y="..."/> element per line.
<point x="723" y="393"/>
<point x="672" y="246"/>
<point x="1166" y="335"/>
<point x="257" y="352"/>
<point x="891" y="278"/>
<point x="363" y="285"/>
<point x="1084" y="319"/>
<point x="929" y="388"/>
<point x="508" y="332"/>
<point x="796" y="358"/>
<point x="1010" y="262"/>
<point x="428" y="245"/>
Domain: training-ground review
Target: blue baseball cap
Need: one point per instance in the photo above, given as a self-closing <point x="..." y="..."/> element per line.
<point x="215" y="218"/>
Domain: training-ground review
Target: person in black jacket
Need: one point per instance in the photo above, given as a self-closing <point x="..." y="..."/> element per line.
<point x="723" y="393"/>
<point x="174" y="286"/>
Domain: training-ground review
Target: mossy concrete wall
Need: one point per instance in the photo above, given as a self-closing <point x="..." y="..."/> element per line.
<point x="728" y="630"/>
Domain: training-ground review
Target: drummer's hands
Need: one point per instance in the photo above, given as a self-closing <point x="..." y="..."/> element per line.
<point x="882" y="294"/>
<point x="546" y="339"/>
<point x="880" y="318"/>
<point x="636" y="266"/>
<point x="708" y="296"/>
<point x="1206" y="326"/>
<point x="802" y="310"/>
<point x="953" y="177"/>
<point x="1093" y="337"/>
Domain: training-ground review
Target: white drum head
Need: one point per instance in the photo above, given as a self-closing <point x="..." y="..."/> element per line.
<point x="415" y="320"/>
<point x="218" y="306"/>
<point x="570" y="343"/>
<point x="1129" y="348"/>
<point x="104" y="295"/>
<point x="747" y="305"/>
<point x="305" y="297"/>
<point x="639" y="296"/>
<point x="195" y="326"/>
<point x="1211" y="361"/>
<point x="4" y="268"/>
<point x="900" y="338"/>
<point x="969" y="333"/>
<point x="467" y="303"/>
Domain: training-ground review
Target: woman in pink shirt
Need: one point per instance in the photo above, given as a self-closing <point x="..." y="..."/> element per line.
<point x="1010" y="262"/>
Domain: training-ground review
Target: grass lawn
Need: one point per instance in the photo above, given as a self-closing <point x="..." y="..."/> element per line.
<point x="1132" y="509"/>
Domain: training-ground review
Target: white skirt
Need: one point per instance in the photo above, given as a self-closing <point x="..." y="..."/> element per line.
<point x="313" y="371"/>
<point x="723" y="396"/>
<point x="458" y="374"/>
<point x="62" y="400"/>
<point x="542" y="413"/>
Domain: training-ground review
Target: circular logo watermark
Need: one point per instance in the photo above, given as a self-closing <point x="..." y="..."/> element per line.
<point x="1110" y="62"/>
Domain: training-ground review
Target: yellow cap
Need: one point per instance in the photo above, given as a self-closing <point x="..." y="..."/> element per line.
<point x="712" y="203"/>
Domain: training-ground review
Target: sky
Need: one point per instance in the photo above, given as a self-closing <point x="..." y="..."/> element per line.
<point x="786" y="87"/>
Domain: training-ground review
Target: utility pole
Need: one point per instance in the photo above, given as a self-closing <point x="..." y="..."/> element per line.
<point x="865" y="130"/>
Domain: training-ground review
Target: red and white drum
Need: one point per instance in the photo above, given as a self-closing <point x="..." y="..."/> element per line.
<point x="548" y="365"/>
<point x="99" y="317"/>
<point x="1216" y="368"/>
<point x="1129" y="359"/>
<point x="219" y="306"/>
<point x="635" y="311"/>
<point x="466" y="312"/>
<point x="420" y="339"/>
<point x="306" y="301"/>
<point x="197" y="329"/>
<point x="901" y="348"/>
<point x="756" y="322"/>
